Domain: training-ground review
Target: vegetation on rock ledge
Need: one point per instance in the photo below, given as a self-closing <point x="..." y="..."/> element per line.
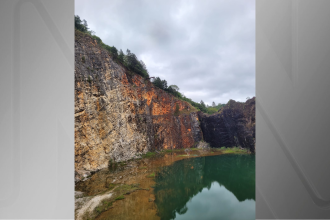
<point x="131" y="62"/>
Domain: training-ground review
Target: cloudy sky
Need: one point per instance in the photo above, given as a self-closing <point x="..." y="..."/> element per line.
<point x="207" y="48"/>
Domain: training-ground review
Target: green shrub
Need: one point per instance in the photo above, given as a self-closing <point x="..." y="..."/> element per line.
<point x="148" y="154"/>
<point x="120" y="197"/>
<point x="99" y="41"/>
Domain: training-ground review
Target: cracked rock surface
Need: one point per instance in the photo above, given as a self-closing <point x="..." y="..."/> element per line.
<point x="119" y="115"/>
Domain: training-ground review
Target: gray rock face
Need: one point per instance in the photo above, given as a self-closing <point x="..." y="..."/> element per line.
<point x="203" y="145"/>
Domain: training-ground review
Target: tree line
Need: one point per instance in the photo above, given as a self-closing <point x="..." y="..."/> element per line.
<point x="131" y="62"/>
<point x="174" y="90"/>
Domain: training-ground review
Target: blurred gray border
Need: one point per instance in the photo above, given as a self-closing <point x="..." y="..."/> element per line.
<point x="36" y="114"/>
<point x="292" y="90"/>
<point x="292" y="93"/>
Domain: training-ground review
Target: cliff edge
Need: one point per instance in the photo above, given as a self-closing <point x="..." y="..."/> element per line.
<point x="120" y="115"/>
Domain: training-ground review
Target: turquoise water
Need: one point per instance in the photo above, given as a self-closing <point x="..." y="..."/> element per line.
<point x="214" y="187"/>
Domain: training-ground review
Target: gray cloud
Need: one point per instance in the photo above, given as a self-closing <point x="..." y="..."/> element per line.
<point x="207" y="48"/>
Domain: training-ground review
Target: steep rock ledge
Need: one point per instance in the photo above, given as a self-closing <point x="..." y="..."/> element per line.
<point x="233" y="125"/>
<point x="119" y="115"/>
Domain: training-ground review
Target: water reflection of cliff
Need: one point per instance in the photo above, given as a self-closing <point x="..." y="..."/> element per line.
<point x="178" y="183"/>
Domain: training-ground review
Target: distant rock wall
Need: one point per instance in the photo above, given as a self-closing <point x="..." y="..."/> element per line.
<point x="233" y="125"/>
<point x="119" y="114"/>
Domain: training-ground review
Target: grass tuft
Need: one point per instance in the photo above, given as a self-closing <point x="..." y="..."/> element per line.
<point x="233" y="150"/>
<point x="111" y="186"/>
<point x="120" y="197"/>
<point x="102" y="207"/>
<point x="148" y="155"/>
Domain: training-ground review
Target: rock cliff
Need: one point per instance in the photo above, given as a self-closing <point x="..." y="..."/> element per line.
<point x="233" y="125"/>
<point x="119" y="114"/>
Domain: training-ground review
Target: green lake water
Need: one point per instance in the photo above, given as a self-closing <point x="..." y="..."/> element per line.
<point x="213" y="187"/>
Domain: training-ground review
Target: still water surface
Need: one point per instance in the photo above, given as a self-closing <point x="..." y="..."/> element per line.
<point x="214" y="187"/>
<point x="196" y="187"/>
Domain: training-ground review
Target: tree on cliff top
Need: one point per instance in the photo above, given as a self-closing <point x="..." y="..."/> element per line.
<point x="121" y="56"/>
<point x="203" y="106"/>
<point x="132" y="63"/>
<point x="162" y="84"/>
<point x="174" y="87"/>
<point x="82" y="25"/>
<point x="211" y="110"/>
<point x="79" y="24"/>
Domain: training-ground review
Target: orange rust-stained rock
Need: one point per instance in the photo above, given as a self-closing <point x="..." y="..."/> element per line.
<point x="119" y="115"/>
